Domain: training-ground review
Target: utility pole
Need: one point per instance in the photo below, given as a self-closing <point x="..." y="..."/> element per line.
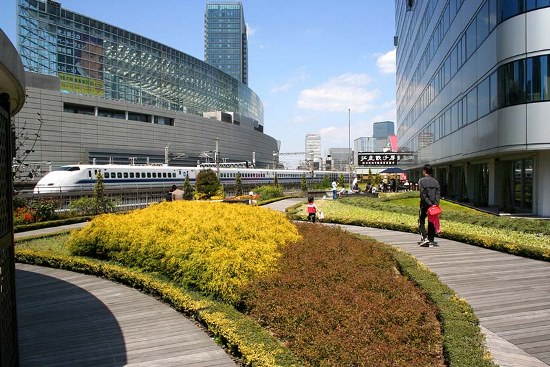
<point x="217" y="158"/>
<point x="349" y="146"/>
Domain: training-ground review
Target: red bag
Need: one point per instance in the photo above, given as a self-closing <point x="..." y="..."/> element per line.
<point x="434" y="210"/>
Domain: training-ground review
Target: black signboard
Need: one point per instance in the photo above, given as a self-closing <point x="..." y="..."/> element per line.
<point x="376" y="159"/>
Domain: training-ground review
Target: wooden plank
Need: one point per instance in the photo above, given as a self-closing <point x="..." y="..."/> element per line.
<point x="70" y="319"/>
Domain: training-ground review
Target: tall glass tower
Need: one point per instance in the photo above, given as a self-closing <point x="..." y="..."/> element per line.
<point x="225" y="39"/>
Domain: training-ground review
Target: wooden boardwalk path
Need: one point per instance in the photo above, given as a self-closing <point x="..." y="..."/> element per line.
<point x="510" y="294"/>
<point x="71" y="319"/>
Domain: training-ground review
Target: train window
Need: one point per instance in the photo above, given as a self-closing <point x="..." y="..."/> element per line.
<point x="163" y="174"/>
<point x="119" y="174"/>
<point x="142" y="174"/>
<point x="90" y="174"/>
<point x="154" y="175"/>
<point x="148" y="174"/>
<point x="125" y="174"/>
<point x="95" y="172"/>
<point x="131" y="174"/>
<point x="107" y="175"/>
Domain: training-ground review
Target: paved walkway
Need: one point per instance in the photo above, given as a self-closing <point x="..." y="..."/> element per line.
<point x="510" y="294"/>
<point x="71" y="319"/>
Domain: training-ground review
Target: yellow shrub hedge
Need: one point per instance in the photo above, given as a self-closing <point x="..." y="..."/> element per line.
<point x="215" y="247"/>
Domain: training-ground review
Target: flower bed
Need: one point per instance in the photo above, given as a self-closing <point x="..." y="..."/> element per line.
<point x="214" y="247"/>
<point x="339" y="301"/>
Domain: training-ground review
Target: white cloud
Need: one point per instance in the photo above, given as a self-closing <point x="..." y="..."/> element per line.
<point x="250" y="31"/>
<point x="347" y="91"/>
<point x="386" y="62"/>
<point x="299" y="76"/>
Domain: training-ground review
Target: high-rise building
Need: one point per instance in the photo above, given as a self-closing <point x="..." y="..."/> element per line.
<point x="313" y="148"/>
<point x="383" y="129"/>
<point x="225" y="38"/>
<point x="473" y="81"/>
<point x="106" y="94"/>
<point x="340" y="158"/>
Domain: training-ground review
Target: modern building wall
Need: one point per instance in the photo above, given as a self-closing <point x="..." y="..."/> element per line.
<point x="226" y="39"/>
<point x="95" y="58"/>
<point x="12" y="98"/>
<point x="313" y="148"/>
<point x="341" y="157"/>
<point x="97" y="91"/>
<point x="472" y="97"/>
<point x="75" y="128"/>
<point x="383" y="129"/>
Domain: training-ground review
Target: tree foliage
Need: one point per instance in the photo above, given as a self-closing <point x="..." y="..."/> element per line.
<point x="238" y="185"/>
<point x="208" y="184"/>
<point x="187" y="189"/>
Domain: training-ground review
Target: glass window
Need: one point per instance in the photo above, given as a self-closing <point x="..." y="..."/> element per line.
<point x="511" y="78"/>
<point x="533" y="79"/>
<point x="493" y="14"/>
<point x="125" y="174"/>
<point x="454" y="117"/>
<point x="537" y="4"/>
<point x="131" y="174"/>
<point x="493" y="91"/>
<point x="471" y="39"/>
<point x="119" y="175"/>
<point x="472" y="106"/>
<point x="483" y="98"/>
<point x="454" y="60"/>
<point x="482" y="21"/>
<point x="509" y="8"/>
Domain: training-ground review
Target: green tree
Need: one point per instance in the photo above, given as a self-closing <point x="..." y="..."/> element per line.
<point x="304" y="183"/>
<point x="342" y="180"/>
<point x="208" y="184"/>
<point x="187" y="189"/>
<point x="98" y="203"/>
<point x="238" y="184"/>
<point x="102" y="202"/>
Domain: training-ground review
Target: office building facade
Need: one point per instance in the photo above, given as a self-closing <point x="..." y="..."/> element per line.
<point x="226" y="39"/>
<point x="383" y="129"/>
<point x="472" y="98"/>
<point x="313" y="148"/>
<point x="341" y="158"/>
<point x="105" y="93"/>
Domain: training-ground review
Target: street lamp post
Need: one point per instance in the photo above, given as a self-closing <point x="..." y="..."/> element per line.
<point x="349" y="146"/>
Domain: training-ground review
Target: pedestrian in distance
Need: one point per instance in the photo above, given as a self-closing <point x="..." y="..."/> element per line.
<point x="334" y="190"/>
<point x="311" y="210"/>
<point x="177" y="194"/>
<point x="429" y="195"/>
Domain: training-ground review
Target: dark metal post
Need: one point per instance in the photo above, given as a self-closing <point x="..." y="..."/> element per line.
<point x="8" y="316"/>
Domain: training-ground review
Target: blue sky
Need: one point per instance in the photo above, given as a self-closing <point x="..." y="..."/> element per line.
<point x="309" y="60"/>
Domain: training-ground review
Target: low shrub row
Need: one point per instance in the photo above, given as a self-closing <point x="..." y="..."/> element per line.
<point x="339" y="301"/>
<point x="243" y="336"/>
<point x="408" y="203"/>
<point x="214" y="247"/>
<point x="536" y="246"/>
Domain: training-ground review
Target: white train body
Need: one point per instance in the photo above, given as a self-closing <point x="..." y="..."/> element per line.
<point x="82" y="177"/>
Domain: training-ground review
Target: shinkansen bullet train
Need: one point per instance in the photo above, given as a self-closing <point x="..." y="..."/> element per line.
<point x="82" y="177"/>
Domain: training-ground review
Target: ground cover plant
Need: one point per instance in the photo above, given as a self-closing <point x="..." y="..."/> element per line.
<point x="340" y="259"/>
<point x="213" y="247"/>
<point x="339" y="301"/>
<point x="511" y="235"/>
